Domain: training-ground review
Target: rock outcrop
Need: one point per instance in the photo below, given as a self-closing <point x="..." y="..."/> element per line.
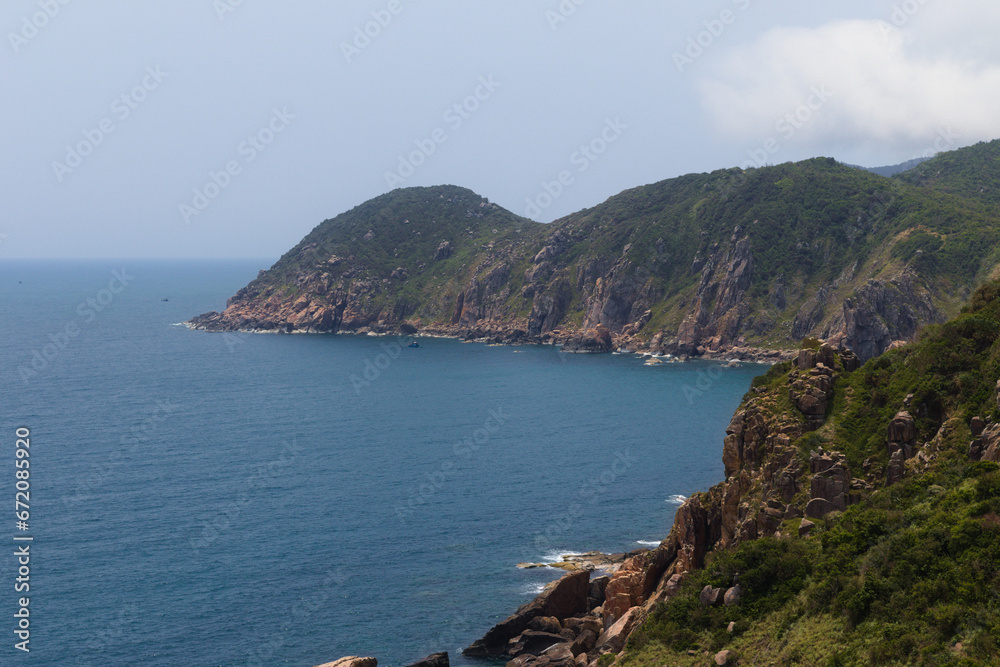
<point x="352" y="661"/>
<point x="562" y="599"/>
<point x="435" y="660"/>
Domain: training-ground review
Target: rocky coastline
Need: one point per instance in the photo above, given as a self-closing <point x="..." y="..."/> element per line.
<point x="597" y="340"/>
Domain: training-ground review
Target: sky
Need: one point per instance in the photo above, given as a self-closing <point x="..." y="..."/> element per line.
<point x="231" y="128"/>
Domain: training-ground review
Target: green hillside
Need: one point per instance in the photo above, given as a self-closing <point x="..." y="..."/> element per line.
<point x="702" y="263"/>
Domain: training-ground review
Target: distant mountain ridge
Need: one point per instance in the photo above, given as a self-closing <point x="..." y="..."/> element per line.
<point x="728" y="263"/>
<point x="892" y="170"/>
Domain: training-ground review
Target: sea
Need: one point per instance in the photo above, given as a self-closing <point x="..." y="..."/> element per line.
<point x="199" y="498"/>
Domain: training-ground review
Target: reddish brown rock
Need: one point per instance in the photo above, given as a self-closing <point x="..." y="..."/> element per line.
<point x="560" y="599"/>
<point x="632" y="584"/>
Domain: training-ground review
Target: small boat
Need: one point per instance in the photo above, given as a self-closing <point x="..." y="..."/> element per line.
<point x="414" y="344"/>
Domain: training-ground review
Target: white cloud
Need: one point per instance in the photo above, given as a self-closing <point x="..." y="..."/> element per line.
<point x="899" y="88"/>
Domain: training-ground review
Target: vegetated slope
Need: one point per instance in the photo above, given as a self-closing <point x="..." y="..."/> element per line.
<point x="909" y="572"/>
<point x="969" y="172"/>
<point x="704" y="263"/>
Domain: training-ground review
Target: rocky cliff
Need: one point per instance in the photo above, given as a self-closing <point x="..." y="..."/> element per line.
<point x="727" y="263"/>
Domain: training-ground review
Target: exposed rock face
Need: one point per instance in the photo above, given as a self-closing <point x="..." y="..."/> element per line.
<point x="902" y="434"/>
<point x="634" y="581"/>
<point x="882" y="312"/>
<point x="811" y="388"/>
<point x="987" y="445"/>
<point x="597" y="339"/>
<point x="896" y="469"/>
<point x="831" y="483"/>
<point x="714" y="320"/>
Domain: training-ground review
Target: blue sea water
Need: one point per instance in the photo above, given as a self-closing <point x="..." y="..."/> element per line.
<point x="233" y="499"/>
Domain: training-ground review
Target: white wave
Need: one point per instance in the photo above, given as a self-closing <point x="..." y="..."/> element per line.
<point x="533" y="589"/>
<point x="557" y="556"/>
<point x="677" y="499"/>
<point x="648" y="543"/>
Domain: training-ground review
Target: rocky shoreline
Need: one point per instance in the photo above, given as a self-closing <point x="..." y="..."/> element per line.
<point x="591" y="341"/>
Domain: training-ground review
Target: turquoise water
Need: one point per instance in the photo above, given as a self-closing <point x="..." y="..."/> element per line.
<point x="230" y="499"/>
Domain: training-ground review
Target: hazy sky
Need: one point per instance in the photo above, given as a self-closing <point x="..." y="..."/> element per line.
<point x="201" y="128"/>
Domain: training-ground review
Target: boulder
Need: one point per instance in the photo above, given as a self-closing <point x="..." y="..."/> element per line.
<point x="580" y="625"/>
<point x="613" y="639"/>
<point x="545" y="624"/>
<point x="733" y="595"/>
<point x="902" y="433"/>
<point x="805" y="527"/>
<point x="826" y="356"/>
<point x="585" y="642"/>
<point x="561" y="652"/>
<point x="806" y="359"/>
<point x="352" y="661"/>
<point x="850" y="361"/>
<point x="532" y="642"/>
<point x="991" y="444"/>
<point x="711" y="596"/>
<point x="561" y="599"/>
<point x="977" y="426"/>
<point x="819" y="508"/>
<point x="724" y="658"/>
<point x="435" y="660"/>
<point x="444" y="251"/>
<point x="598" y="587"/>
